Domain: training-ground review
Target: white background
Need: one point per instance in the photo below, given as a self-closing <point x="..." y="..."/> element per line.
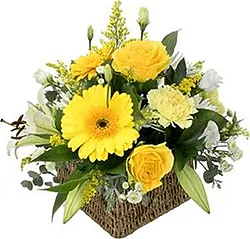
<point x="35" y="32"/>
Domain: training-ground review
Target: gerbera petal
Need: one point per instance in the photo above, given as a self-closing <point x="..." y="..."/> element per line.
<point x="87" y="148"/>
<point x="77" y="141"/>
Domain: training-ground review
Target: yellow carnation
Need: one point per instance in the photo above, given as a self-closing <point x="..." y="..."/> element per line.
<point x="141" y="60"/>
<point x="148" y="164"/>
<point x="172" y="107"/>
<point x="86" y="66"/>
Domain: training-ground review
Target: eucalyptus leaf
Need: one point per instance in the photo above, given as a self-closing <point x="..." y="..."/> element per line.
<point x="38" y="181"/>
<point x="170" y="41"/>
<point x="57" y="154"/>
<point x="73" y="202"/>
<point x="192" y="184"/>
<point x="27" y="184"/>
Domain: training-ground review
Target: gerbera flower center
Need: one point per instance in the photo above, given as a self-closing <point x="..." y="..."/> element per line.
<point x="102" y="123"/>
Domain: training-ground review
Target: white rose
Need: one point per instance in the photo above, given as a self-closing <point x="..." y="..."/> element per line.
<point x="210" y="81"/>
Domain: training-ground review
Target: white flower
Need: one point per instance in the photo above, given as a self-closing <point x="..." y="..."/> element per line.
<point x="122" y="197"/>
<point x="143" y="18"/>
<point x="101" y="81"/>
<point x="100" y="70"/>
<point x="211" y="134"/>
<point x="201" y="103"/>
<point x="134" y="197"/>
<point x="125" y="185"/>
<point x="138" y="186"/>
<point x="210" y="81"/>
<point x="42" y="77"/>
<point x="50" y="166"/>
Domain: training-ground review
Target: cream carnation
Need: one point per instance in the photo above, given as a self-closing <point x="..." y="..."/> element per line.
<point x="172" y="107"/>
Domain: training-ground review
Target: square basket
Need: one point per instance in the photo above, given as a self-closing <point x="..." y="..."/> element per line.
<point x="125" y="218"/>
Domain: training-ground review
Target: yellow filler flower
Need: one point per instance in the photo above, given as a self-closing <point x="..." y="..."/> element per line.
<point x="96" y="128"/>
<point x="141" y="60"/>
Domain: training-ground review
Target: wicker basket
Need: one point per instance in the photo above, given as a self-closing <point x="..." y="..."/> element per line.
<point x="126" y="218"/>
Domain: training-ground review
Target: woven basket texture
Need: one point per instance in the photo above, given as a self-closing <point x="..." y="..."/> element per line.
<point x="125" y="218"/>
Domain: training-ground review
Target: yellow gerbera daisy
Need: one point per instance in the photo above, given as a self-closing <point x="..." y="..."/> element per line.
<point x="96" y="128"/>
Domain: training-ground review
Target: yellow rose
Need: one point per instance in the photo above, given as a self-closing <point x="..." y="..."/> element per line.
<point x="141" y="60"/>
<point x="148" y="164"/>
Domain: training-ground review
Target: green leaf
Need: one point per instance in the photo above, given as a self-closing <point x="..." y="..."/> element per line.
<point x="68" y="186"/>
<point x="120" y="169"/>
<point x="38" y="181"/>
<point x="57" y="154"/>
<point x="73" y="202"/>
<point x="60" y="199"/>
<point x="58" y="118"/>
<point x="130" y="90"/>
<point x="193" y="186"/>
<point x="170" y="41"/>
<point x="180" y="72"/>
<point x="27" y="184"/>
<point x="169" y="77"/>
<point x="51" y="95"/>
<point x="200" y="121"/>
<point x="43" y="169"/>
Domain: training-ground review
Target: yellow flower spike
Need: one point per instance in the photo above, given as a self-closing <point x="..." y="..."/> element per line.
<point x="97" y="129"/>
<point x="56" y="140"/>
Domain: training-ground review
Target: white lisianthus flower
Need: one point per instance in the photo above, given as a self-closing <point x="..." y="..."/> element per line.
<point x="108" y="73"/>
<point x="125" y="185"/>
<point x="203" y="104"/>
<point x="175" y="59"/>
<point x="134" y="197"/>
<point x="211" y="134"/>
<point x="42" y="77"/>
<point x="210" y="81"/>
<point x="143" y="18"/>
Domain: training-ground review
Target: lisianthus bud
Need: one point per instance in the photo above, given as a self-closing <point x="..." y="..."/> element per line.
<point x="90" y="33"/>
<point x="42" y="77"/>
<point x="108" y="73"/>
<point x="143" y="19"/>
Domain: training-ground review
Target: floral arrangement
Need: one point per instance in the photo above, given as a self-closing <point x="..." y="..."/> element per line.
<point x="125" y="115"/>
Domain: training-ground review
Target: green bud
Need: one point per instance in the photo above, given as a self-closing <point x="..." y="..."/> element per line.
<point x="143" y="19"/>
<point x="90" y="33"/>
<point x="108" y="73"/>
<point x="229" y="113"/>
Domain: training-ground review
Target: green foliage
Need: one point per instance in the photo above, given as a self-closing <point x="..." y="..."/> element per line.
<point x="180" y="72"/>
<point x="27" y="184"/>
<point x="58" y="118"/>
<point x="131" y="90"/>
<point x="170" y="41"/>
<point x="169" y="76"/>
<point x="57" y="154"/>
<point x="73" y="202"/>
<point x="190" y="136"/>
<point x="36" y="178"/>
<point x="60" y="199"/>
<point x="193" y="186"/>
<point x="51" y="96"/>
<point x="68" y="186"/>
